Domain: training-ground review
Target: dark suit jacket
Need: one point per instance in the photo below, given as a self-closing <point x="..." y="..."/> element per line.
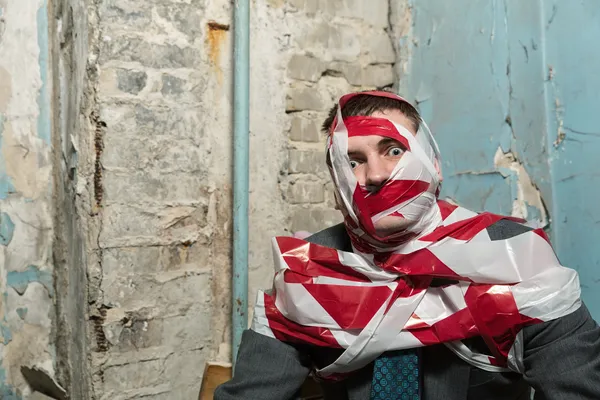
<point x="561" y="359"/>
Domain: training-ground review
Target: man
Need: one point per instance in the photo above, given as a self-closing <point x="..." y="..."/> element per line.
<point x="412" y="297"/>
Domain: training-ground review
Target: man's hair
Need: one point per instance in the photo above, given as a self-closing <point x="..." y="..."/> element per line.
<point x="366" y="104"/>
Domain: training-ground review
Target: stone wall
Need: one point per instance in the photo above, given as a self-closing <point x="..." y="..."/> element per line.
<point x="339" y="46"/>
<point x="161" y="193"/>
<point x="159" y="287"/>
<point x="138" y="233"/>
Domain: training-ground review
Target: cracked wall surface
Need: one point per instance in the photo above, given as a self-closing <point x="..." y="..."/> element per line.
<point x="160" y="184"/>
<point x="571" y="99"/>
<point x="115" y="189"/>
<point x="510" y="94"/>
<point x="73" y="102"/>
<point x="328" y="48"/>
<point x="26" y="223"/>
<point x="483" y="109"/>
<point x="160" y="226"/>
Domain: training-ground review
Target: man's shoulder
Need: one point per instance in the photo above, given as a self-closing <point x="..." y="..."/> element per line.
<point x="334" y="236"/>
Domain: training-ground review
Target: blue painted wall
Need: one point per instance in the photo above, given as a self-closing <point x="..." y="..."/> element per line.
<point x="520" y="76"/>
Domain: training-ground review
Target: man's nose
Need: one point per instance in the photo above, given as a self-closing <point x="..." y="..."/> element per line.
<point x="377" y="174"/>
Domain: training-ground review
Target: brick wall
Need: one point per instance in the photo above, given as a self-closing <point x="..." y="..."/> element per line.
<point x="161" y="194"/>
<point x="159" y="223"/>
<point x="340" y="46"/>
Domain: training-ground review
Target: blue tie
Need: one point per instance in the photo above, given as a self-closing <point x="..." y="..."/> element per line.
<point x="396" y="376"/>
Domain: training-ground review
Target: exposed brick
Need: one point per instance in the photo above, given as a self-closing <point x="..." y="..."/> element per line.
<point x="337" y="86"/>
<point x="183" y="294"/>
<point x="153" y="55"/>
<point x="185" y="87"/>
<point x="379" y="75"/>
<point x="171" y="85"/>
<point x="128" y="225"/>
<point x="305" y="192"/>
<point x="151" y="260"/>
<point x="134" y="375"/>
<point x="186" y="18"/>
<point x="307" y="6"/>
<point x="373" y="12"/>
<point x="309" y="162"/>
<point x="305" y="68"/>
<point x="137" y="331"/>
<point x="378" y="48"/>
<point x="153" y="187"/>
<point x="140" y="333"/>
<point x="315" y="219"/>
<point x="137" y="15"/>
<point x="185" y="367"/>
<point x="305" y="130"/>
<point x="163" y="153"/>
<point x="131" y="81"/>
<point x="337" y="41"/>
<point x="158" y="254"/>
<point x="187" y="331"/>
<point x="134" y="14"/>
<point x="304" y="98"/>
<point x="146" y="121"/>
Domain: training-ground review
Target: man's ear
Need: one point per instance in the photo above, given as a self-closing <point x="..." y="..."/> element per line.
<point x="436" y="164"/>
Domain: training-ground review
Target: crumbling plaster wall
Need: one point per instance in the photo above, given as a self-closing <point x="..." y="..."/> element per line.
<point x="74" y="152"/>
<point x="131" y="211"/>
<point x="26" y="224"/>
<point x="161" y="213"/>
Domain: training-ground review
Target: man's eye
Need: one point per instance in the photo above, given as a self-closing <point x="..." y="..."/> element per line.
<point x="395" y="152"/>
<point x="353" y="164"/>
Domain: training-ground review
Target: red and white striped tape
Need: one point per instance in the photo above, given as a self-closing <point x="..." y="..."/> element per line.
<point x="380" y="297"/>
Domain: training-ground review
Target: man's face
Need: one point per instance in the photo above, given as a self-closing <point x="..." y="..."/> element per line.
<point x="373" y="159"/>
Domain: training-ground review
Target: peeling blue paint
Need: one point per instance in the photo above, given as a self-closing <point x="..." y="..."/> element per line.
<point x="6" y="185"/>
<point x="6" y="391"/>
<point x="572" y="93"/>
<point x="7" y="228"/>
<point x="518" y="75"/>
<point x="533" y="213"/>
<point x="43" y="121"/>
<point x="19" y="280"/>
<point x="458" y="78"/>
<point x="5" y="332"/>
<point x="22" y="312"/>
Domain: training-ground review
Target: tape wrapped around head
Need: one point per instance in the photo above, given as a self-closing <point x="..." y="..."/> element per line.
<point x="407" y="197"/>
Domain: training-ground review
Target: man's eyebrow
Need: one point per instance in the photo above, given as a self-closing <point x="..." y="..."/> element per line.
<point x="387" y="142"/>
<point x="354" y="153"/>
